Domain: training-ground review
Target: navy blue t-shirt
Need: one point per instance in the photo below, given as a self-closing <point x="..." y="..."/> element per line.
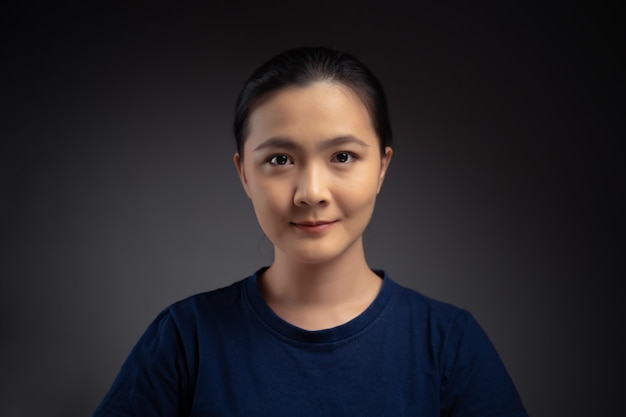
<point x="225" y="353"/>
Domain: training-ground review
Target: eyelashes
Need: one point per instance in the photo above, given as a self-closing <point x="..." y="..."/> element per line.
<point x="342" y="157"/>
<point x="279" y="160"/>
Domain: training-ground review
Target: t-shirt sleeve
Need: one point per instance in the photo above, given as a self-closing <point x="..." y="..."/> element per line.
<point x="475" y="381"/>
<point x="153" y="379"/>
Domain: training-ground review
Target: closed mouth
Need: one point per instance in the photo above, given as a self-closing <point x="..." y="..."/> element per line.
<point x="314" y="226"/>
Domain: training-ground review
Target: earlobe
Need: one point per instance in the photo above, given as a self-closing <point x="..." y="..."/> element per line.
<point x="238" y="161"/>
<point x="384" y="164"/>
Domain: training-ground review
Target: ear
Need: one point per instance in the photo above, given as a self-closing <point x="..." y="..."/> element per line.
<point x="242" y="175"/>
<point x="384" y="164"/>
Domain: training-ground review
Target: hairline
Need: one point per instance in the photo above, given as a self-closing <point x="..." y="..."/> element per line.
<point x="264" y="97"/>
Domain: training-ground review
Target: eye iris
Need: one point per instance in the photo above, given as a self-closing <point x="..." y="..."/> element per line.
<point x="282" y="159"/>
<point x="342" y="157"/>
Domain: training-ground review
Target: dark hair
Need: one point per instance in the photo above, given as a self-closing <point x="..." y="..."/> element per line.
<point x="304" y="66"/>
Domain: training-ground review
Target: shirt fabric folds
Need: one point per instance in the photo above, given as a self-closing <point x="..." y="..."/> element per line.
<point x="225" y="353"/>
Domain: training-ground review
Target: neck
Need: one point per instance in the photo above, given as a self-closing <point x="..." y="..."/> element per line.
<point x="320" y="295"/>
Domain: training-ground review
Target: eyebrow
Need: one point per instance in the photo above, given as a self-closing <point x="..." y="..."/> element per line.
<point x="286" y="143"/>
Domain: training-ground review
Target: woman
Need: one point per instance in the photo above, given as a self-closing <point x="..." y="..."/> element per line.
<point x="317" y="333"/>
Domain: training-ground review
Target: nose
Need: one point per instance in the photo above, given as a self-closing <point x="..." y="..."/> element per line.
<point x="311" y="187"/>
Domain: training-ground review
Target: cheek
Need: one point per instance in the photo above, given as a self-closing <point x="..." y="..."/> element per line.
<point x="269" y="198"/>
<point x="359" y="193"/>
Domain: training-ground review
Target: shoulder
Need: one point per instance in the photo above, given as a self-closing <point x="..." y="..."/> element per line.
<point x="433" y="322"/>
<point x="211" y="305"/>
<point x="217" y="298"/>
<point x="417" y="304"/>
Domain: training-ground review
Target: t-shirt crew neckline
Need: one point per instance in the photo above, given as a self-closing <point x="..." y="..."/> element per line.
<point x="318" y="338"/>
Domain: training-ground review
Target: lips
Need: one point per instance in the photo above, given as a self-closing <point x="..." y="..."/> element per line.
<point x="314" y="226"/>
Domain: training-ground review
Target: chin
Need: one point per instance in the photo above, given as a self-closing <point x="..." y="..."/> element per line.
<point x="311" y="258"/>
<point x="315" y="254"/>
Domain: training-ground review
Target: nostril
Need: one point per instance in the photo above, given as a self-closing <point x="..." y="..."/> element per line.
<point x="311" y="187"/>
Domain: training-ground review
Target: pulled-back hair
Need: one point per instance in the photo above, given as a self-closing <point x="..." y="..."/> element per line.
<point x="304" y="66"/>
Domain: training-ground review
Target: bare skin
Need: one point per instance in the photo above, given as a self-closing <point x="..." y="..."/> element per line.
<point x="313" y="169"/>
<point x="315" y="297"/>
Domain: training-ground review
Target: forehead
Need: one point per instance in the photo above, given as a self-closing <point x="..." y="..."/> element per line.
<point x="318" y="111"/>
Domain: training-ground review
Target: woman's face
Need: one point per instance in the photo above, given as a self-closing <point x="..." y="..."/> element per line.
<point x="312" y="168"/>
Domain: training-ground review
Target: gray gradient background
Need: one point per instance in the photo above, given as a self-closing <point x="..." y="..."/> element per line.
<point x="118" y="194"/>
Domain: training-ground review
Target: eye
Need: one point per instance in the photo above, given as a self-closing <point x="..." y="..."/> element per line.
<point x="281" y="159"/>
<point x="344" y="157"/>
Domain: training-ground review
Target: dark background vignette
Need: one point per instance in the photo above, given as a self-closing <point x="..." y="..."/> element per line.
<point x="119" y="197"/>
